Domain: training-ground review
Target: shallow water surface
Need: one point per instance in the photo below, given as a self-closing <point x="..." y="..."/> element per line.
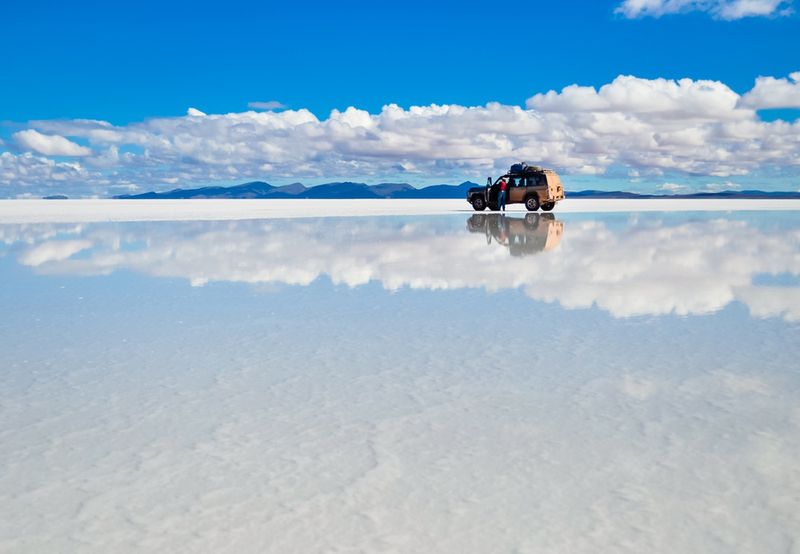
<point x="464" y="383"/>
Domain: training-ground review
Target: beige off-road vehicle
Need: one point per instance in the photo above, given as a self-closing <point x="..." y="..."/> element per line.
<point x="527" y="184"/>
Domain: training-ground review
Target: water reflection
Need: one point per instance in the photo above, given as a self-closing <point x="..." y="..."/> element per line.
<point x="647" y="266"/>
<point x="522" y="236"/>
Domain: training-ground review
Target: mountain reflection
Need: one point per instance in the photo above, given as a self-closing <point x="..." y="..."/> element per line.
<point x="646" y="266"/>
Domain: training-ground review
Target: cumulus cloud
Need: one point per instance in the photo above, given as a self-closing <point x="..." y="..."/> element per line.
<point x="770" y="92"/>
<point x="660" y="98"/>
<point x="638" y="126"/>
<point x="28" y="171"/>
<point x="722" y="9"/>
<point x="694" y="126"/>
<point x="269" y="105"/>
<point x="49" y="145"/>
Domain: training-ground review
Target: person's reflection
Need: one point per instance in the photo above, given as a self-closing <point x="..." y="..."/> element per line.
<point x="522" y="236"/>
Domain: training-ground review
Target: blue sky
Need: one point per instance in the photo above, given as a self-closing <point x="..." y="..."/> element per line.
<point x="128" y="63"/>
<point x="123" y="62"/>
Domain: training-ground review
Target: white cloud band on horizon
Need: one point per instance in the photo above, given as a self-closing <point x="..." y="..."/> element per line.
<point x="643" y="126"/>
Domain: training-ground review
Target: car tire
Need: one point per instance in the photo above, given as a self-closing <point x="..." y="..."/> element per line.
<point x="478" y="204"/>
<point x="532" y="203"/>
<point x="548" y="206"/>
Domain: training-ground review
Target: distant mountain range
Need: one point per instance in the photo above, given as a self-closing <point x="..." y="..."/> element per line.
<point x="346" y="189"/>
<point x="350" y="190"/>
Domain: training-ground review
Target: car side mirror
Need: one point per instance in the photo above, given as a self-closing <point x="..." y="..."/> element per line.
<point x="488" y="181"/>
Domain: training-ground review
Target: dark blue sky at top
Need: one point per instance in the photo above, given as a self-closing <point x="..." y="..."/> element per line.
<point x="127" y="61"/>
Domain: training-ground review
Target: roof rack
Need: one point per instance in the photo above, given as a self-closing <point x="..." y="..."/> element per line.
<point x="521" y="168"/>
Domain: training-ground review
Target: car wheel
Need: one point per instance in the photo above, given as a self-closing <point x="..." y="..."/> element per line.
<point x="547" y="207"/>
<point x="532" y="203"/>
<point x="478" y="204"/>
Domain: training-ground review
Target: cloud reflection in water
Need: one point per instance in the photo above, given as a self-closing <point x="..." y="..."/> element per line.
<point x="650" y="266"/>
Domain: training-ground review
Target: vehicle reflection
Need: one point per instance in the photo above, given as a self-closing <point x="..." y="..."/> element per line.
<point x="522" y="236"/>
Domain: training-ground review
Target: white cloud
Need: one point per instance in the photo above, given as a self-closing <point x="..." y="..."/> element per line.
<point x="269" y="105"/>
<point x="722" y="9"/>
<point x="662" y="98"/>
<point x="27" y="172"/>
<point x="194" y="112"/>
<point x="674" y="188"/>
<point x="640" y="126"/>
<point x="737" y="9"/>
<point x="49" y="145"/>
<point x="718" y="187"/>
<point x="770" y="92"/>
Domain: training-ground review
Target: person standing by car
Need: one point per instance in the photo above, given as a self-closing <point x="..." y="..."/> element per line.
<point x="501" y="196"/>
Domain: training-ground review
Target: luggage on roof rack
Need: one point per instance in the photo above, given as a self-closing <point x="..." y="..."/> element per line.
<point x="522" y="167"/>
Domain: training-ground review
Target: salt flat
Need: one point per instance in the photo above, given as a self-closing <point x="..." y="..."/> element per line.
<point x="468" y="382"/>
<point x="30" y="211"/>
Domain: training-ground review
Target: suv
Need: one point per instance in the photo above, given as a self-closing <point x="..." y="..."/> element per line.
<point x="527" y="184"/>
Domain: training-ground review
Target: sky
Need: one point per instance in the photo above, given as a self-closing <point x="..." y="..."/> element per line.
<point x="670" y="95"/>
